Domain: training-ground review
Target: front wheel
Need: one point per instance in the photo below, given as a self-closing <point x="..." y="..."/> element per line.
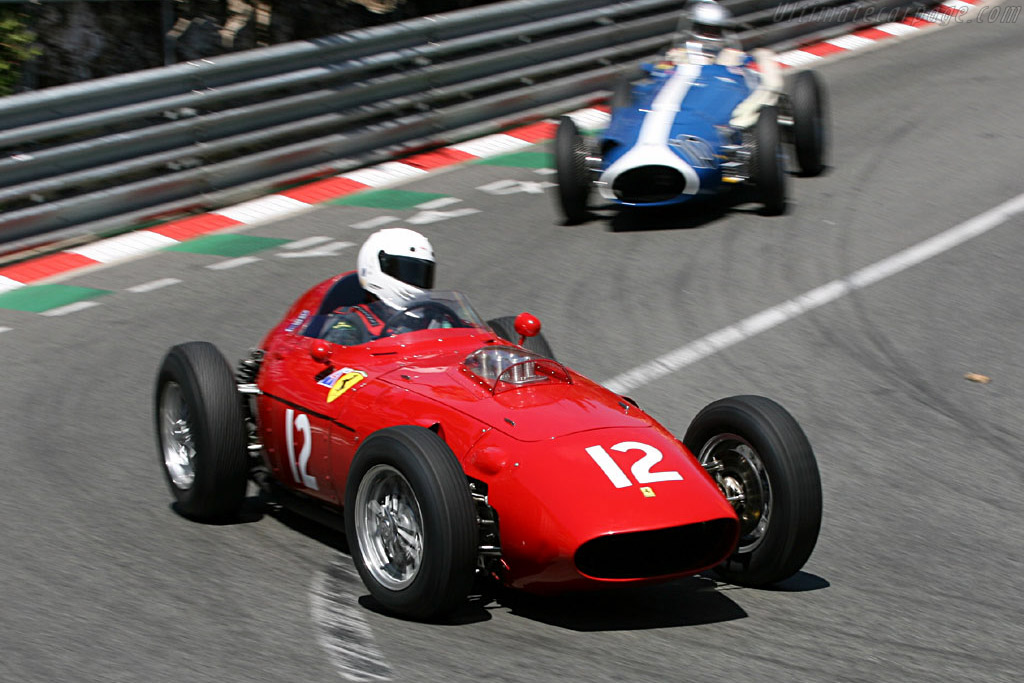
<point x="764" y="465"/>
<point x="769" y="169"/>
<point x="572" y="174"/>
<point x="809" y="134"/>
<point x="201" y="432"/>
<point x="411" y="522"/>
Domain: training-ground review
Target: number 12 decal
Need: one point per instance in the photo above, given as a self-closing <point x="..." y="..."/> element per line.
<point x="299" y="424"/>
<point x="641" y="469"/>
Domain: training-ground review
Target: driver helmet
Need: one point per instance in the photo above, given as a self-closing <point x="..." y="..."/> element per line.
<point x="396" y="265"/>
<point x="710" y="25"/>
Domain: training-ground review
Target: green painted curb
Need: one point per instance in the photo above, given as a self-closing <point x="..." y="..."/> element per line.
<point x="228" y="244"/>
<point x="387" y="199"/>
<point x="520" y="160"/>
<point x="40" y="298"/>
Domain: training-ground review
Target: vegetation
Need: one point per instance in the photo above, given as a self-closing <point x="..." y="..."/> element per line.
<point x="17" y="45"/>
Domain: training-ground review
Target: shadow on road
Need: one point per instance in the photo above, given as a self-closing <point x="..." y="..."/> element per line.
<point x="253" y="510"/>
<point x="799" y="583"/>
<point x="693" y="215"/>
<point x="687" y="602"/>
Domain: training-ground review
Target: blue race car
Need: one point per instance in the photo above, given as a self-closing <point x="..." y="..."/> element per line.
<point x="706" y="116"/>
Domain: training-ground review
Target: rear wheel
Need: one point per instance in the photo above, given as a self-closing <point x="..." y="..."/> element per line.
<point x="765" y="467"/>
<point x="201" y="432"/>
<point x="411" y="522"/>
<point x="506" y="329"/>
<point x="809" y="135"/>
<point x="573" y="177"/>
<point x="769" y="173"/>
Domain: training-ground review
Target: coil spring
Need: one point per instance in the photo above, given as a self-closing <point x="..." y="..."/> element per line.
<point x="249" y="367"/>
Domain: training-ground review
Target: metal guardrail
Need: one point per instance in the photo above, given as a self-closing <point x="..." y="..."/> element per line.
<point x="99" y="155"/>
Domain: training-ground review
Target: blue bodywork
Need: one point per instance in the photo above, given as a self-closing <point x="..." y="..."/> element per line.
<point x="694" y="128"/>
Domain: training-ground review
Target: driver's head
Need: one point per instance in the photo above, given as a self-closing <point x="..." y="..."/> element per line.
<point x="710" y="24"/>
<point x="396" y="265"/>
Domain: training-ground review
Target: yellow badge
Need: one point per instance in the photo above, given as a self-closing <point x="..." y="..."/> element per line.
<point x="647" y="491"/>
<point x="346" y="381"/>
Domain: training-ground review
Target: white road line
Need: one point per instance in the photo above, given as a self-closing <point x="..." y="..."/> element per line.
<point x="5" y="329"/>
<point x="234" y="263"/>
<point x="374" y="222"/>
<point x="331" y="249"/>
<point x="70" y="308"/>
<point x="155" y="284"/>
<point x="788" y="310"/>
<point x="307" y="242"/>
<point x="438" y="203"/>
<point x="426" y="217"/>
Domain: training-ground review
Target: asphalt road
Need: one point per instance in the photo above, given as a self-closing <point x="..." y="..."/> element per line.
<point x="918" y="573"/>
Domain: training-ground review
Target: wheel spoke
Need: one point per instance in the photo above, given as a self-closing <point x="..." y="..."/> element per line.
<point x="388" y="528"/>
<point x="737" y="469"/>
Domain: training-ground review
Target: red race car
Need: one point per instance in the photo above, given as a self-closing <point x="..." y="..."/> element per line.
<point x="449" y="452"/>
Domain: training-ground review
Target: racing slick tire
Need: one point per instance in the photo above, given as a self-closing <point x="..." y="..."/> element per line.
<point x="761" y="460"/>
<point x="506" y="329"/>
<point x="809" y="135"/>
<point x="411" y="523"/>
<point x="200" y="432"/>
<point x="769" y="173"/>
<point x="574" y="181"/>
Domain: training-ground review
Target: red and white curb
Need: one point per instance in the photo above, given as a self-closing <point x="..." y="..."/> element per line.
<point x="942" y="14"/>
<point x="287" y="203"/>
<point x="299" y="199"/>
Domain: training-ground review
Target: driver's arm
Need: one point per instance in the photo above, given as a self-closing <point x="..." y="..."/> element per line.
<point x="347" y="329"/>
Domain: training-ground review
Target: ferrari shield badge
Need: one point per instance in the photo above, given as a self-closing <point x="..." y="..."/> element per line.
<point x="341" y="381"/>
<point x="647" y="491"/>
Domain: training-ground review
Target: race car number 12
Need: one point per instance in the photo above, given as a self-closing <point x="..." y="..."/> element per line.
<point x="641" y="469"/>
<point x="299" y="424"/>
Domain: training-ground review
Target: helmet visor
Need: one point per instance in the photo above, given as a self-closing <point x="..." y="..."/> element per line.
<point x="412" y="271"/>
<point x="706" y="32"/>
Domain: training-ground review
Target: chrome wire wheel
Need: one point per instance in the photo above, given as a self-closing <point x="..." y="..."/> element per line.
<point x="389" y="527"/>
<point x="741" y="476"/>
<point x="177" y="436"/>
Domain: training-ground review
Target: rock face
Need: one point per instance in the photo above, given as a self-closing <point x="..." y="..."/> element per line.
<point x="82" y="40"/>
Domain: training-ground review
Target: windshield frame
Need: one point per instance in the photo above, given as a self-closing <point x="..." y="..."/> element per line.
<point x="379" y="321"/>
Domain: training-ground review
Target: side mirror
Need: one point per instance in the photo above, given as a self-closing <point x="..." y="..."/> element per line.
<point x="527" y="326"/>
<point x="320" y="351"/>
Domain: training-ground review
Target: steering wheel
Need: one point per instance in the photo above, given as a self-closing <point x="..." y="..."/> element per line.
<point x="431" y="311"/>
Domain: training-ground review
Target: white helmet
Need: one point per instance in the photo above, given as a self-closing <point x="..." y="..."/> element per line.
<point x="396" y="265"/>
<point x="711" y="25"/>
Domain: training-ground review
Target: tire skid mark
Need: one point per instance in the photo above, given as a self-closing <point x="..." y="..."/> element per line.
<point x="341" y="629"/>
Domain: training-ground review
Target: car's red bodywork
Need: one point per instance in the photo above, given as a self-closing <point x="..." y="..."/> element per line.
<point x="568" y="518"/>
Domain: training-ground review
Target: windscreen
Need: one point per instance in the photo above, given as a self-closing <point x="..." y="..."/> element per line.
<point x="361" y="323"/>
